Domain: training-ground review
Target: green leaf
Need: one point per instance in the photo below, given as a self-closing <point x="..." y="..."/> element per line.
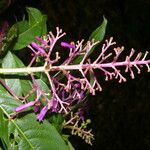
<point x="4" y="128"/>
<point x="8" y="103"/>
<point x="12" y="61"/>
<point x="29" y="133"/>
<point x="21" y="26"/>
<point x="28" y="30"/>
<point x="12" y="33"/>
<point x="34" y="15"/>
<point x="43" y="87"/>
<point x="70" y="146"/>
<point x="99" y="33"/>
<point x="78" y="59"/>
<point x="7" y="44"/>
<point x="18" y="85"/>
<point x="57" y="120"/>
<point x="26" y="87"/>
<point x="66" y="137"/>
<point x="2" y="89"/>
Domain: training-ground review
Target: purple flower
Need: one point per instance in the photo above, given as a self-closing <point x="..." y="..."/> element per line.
<point x="82" y="95"/>
<point x="36" y="109"/>
<point x="37" y="47"/>
<point x="41" y="40"/>
<point x="54" y="105"/>
<point x="67" y="45"/>
<point x="24" y="106"/>
<point x="77" y="86"/>
<point x="42" y="114"/>
<point x="81" y="114"/>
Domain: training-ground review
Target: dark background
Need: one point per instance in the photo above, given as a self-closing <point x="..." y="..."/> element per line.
<point x="120" y="114"/>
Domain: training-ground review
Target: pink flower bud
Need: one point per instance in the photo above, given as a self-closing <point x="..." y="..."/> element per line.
<point x="37" y="47"/>
<point x="67" y="45"/>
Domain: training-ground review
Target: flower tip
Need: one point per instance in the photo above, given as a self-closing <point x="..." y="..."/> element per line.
<point x="40" y="119"/>
<point x="18" y="109"/>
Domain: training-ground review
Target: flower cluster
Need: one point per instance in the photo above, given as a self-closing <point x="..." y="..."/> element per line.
<point x="78" y="127"/>
<point x="79" y="71"/>
<point x="79" y="76"/>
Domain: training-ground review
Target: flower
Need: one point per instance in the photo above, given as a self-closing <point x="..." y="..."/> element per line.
<point x="36" y="109"/>
<point x="38" y="48"/>
<point x="54" y="105"/>
<point x="24" y="106"/>
<point x="67" y="45"/>
<point x="42" y="114"/>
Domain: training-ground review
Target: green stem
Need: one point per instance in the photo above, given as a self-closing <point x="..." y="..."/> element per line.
<point x="28" y="70"/>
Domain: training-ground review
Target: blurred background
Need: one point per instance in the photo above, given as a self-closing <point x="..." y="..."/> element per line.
<point x="120" y="114"/>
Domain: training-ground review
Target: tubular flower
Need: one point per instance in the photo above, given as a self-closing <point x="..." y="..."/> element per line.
<point x="38" y="48"/>
<point x="24" y="106"/>
<point x="67" y="45"/>
<point x="42" y="113"/>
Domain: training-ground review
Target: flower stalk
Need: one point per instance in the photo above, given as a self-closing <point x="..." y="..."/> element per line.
<point x="30" y="70"/>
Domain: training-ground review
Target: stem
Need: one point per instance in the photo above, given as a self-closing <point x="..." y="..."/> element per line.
<point x="96" y="66"/>
<point x="30" y="70"/>
<point x="8" y="89"/>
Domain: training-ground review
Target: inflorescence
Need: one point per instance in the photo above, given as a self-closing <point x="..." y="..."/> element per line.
<point x="79" y="75"/>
